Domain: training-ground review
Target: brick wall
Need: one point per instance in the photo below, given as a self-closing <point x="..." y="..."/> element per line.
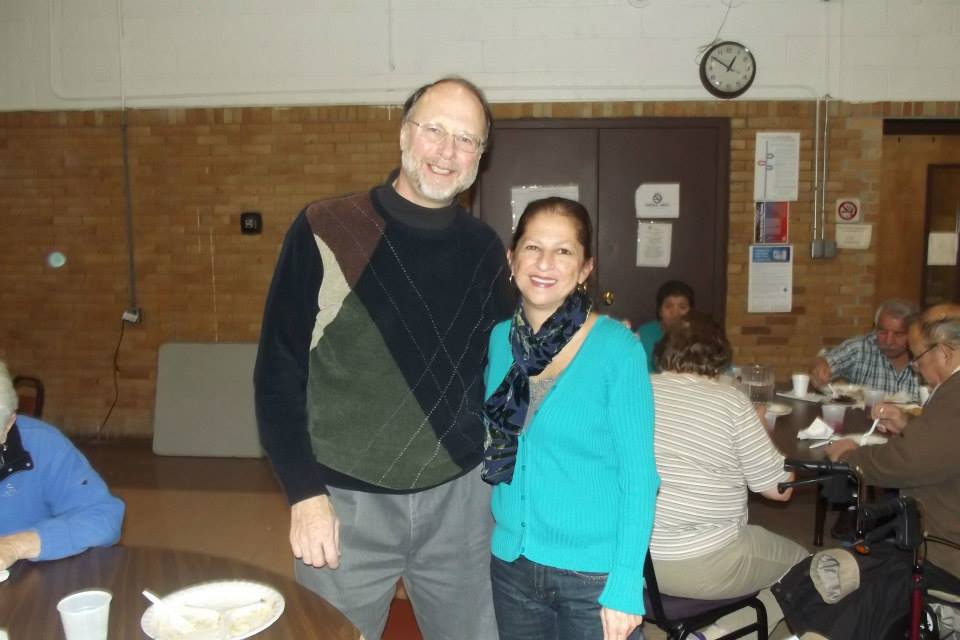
<point x="198" y="279"/>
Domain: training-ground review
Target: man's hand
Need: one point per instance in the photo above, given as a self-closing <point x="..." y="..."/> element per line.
<point x="837" y="449"/>
<point x="617" y="625"/>
<point x="315" y="532"/>
<point x="820" y="373"/>
<point x="892" y="418"/>
<point x="18" y="546"/>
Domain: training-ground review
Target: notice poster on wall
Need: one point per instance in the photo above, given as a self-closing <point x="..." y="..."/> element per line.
<point x="770" y="286"/>
<point x="854" y="236"/>
<point x="653" y="243"/>
<point x="657" y="200"/>
<point x="522" y="195"/>
<point x="776" y="173"/>
<point x="771" y="222"/>
<point x="942" y="248"/>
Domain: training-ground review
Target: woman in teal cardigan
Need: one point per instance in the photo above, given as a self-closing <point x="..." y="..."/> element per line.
<point x="675" y="299"/>
<point x="569" y="446"/>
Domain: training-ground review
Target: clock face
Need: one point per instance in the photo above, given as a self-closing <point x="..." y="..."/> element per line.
<point x="727" y="69"/>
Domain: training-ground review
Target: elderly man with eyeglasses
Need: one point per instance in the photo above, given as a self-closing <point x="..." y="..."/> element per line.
<point x="924" y="461"/>
<point x="369" y="380"/>
<point x="878" y="359"/>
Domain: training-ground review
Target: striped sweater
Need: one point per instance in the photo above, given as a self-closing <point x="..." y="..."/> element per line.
<point x="710" y="448"/>
<point x="368" y="375"/>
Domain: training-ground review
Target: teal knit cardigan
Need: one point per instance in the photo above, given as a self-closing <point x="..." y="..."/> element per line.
<point x="584" y="489"/>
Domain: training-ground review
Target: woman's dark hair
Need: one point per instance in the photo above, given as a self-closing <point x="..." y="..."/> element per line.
<point x="674" y="288"/>
<point x="561" y="206"/>
<point x="694" y="343"/>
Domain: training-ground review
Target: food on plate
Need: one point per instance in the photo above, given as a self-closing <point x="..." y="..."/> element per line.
<point x="843" y="398"/>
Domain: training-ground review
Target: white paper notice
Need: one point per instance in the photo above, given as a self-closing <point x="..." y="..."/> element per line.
<point x="658" y="200"/>
<point x="521" y="196"/>
<point x="770" y="289"/>
<point x="942" y="248"/>
<point x="653" y="244"/>
<point x="854" y="236"/>
<point x="776" y="173"/>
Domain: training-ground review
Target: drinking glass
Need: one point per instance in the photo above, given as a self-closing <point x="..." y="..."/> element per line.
<point x="758" y="381"/>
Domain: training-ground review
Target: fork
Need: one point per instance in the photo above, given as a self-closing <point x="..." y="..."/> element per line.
<point x="181" y="624"/>
<point x="873" y="427"/>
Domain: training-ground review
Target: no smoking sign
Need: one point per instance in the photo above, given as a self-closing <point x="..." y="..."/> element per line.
<point x="848" y="210"/>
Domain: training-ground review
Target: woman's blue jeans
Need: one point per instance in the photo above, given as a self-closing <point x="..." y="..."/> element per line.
<point x="535" y="602"/>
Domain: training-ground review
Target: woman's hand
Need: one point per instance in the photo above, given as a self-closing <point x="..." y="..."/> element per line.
<point x="617" y="625"/>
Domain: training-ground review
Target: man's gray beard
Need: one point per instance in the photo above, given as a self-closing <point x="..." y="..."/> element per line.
<point x="410" y="168"/>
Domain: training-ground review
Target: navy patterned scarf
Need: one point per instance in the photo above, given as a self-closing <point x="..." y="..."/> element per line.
<point x="505" y="410"/>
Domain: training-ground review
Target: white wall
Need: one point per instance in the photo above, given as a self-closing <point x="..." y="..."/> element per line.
<point x="73" y="54"/>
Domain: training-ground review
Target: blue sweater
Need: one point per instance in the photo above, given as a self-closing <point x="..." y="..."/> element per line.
<point x="59" y="496"/>
<point x="584" y="489"/>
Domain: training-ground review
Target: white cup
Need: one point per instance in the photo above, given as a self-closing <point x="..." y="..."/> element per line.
<point x="872" y="398"/>
<point x="85" y="614"/>
<point x="770" y="420"/>
<point x="801" y="383"/>
<point x="924" y="394"/>
<point x="833" y="415"/>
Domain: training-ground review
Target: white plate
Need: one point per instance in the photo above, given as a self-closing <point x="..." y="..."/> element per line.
<point x="810" y="397"/>
<point x="4" y="575"/>
<point x="231" y="598"/>
<point x="872" y="439"/>
<point x="779" y="409"/>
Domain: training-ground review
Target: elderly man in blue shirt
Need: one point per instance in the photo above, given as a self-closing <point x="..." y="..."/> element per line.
<point x="52" y="503"/>
<point x="879" y="359"/>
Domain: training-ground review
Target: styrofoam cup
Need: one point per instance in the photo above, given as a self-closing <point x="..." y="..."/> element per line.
<point x="85" y="614"/>
<point x="833" y="415"/>
<point x="801" y="383"/>
<point x="872" y="398"/>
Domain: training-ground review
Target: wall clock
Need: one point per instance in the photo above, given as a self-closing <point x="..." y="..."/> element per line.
<point x="727" y="69"/>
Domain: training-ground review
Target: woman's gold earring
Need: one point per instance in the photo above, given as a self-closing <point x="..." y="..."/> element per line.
<point x="511" y="278"/>
<point x="582" y="287"/>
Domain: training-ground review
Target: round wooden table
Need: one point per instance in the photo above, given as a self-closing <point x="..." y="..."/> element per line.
<point x="784" y="436"/>
<point x="28" y="599"/>
<point x="784" y="433"/>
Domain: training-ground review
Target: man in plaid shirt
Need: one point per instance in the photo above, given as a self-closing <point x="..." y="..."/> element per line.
<point x="880" y="359"/>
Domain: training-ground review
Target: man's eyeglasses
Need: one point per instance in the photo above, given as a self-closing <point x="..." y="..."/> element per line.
<point x="913" y="362"/>
<point x="436" y="134"/>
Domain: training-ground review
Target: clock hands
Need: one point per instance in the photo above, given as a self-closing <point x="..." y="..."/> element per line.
<point x="728" y="67"/>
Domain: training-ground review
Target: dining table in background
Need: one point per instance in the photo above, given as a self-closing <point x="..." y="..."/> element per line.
<point x="784" y="436"/>
<point x="28" y="598"/>
<point x="784" y="432"/>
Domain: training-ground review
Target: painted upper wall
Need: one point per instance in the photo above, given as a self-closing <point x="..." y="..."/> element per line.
<point x="83" y="54"/>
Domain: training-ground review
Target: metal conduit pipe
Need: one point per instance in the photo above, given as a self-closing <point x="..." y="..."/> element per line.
<point x="816" y="171"/>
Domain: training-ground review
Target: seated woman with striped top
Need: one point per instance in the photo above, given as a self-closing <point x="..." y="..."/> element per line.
<point x="711" y="448"/>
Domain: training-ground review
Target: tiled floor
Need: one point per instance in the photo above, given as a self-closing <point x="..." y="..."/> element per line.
<point x="234" y="508"/>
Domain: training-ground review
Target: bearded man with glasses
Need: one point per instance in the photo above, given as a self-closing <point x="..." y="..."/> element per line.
<point x="369" y="380"/>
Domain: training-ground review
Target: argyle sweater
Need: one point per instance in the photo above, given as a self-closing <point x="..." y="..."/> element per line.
<point x="374" y="337"/>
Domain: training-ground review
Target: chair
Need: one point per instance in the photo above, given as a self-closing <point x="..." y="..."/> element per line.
<point x="680" y="617"/>
<point x="30" y="395"/>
